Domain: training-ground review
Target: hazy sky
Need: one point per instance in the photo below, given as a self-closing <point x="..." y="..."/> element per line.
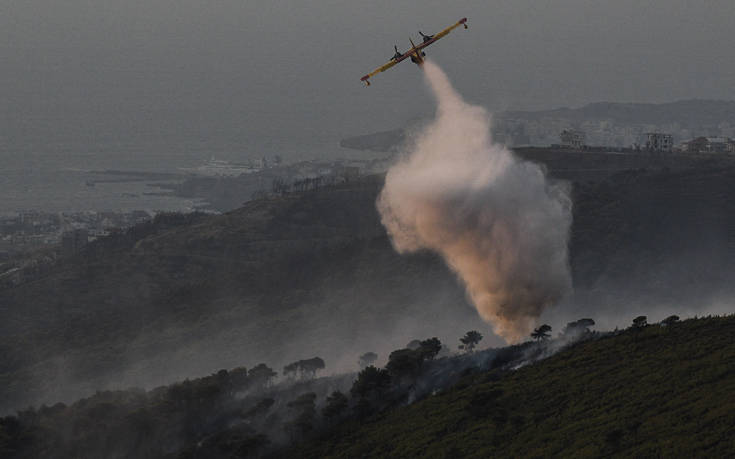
<point x="226" y="72"/>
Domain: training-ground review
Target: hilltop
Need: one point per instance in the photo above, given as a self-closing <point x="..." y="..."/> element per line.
<point x="611" y="124"/>
<point x="692" y="113"/>
<point x="618" y="124"/>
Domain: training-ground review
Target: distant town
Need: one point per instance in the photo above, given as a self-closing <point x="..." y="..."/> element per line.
<point x="32" y="240"/>
<point x="29" y="230"/>
<point x="655" y="142"/>
<point x="33" y="229"/>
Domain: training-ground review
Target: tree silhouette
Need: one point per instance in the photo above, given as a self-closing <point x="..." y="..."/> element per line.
<point x="429" y="348"/>
<point x="305" y="409"/>
<point x="260" y="408"/>
<point x="304" y="369"/>
<point x="261" y="375"/>
<point x="239" y="379"/>
<point x="578" y="327"/>
<point x="371" y="389"/>
<point x="337" y="403"/>
<point x="367" y="359"/>
<point x="291" y="370"/>
<point x="541" y="332"/>
<point x="469" y="340"/>
<point x="640" y="322"/>
<point x="404" y="364"/>
<point x="311" y="366"/>
<point x="371" y="383"/>
<point x="671" y="320"/>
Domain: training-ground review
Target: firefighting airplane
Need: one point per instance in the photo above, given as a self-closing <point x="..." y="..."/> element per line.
<point x="415" y="53"/>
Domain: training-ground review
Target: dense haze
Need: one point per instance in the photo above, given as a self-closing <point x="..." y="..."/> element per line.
<point x="160" y="85"/>
<point x="169" y="78"/>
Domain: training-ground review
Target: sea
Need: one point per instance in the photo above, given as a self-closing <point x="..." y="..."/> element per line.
<point x="75" y="177"/>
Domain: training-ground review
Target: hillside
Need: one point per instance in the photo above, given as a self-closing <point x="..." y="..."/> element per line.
<point x="277" y="279"/>
<point x="657" y="392"/>
<point x="647" y="391"/>
<point x="313" y="273"/>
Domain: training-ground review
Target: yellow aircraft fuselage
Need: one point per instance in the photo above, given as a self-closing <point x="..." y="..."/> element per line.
<point x="416" y="53"/>
<point x="417" y="56"/>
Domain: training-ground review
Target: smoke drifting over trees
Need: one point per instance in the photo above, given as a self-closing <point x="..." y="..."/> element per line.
<point x="496" y="220"/>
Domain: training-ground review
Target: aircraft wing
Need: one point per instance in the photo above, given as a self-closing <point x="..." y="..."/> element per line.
<point x="443" y="33"/>
<point x="383" y="68"/>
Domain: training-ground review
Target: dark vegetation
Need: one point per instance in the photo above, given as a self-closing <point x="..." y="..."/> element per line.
<point x="256" y="284"/>
<point x="240" y="412"/>
<point x="204" y="279"/>
<point x="236" y="413"/>
<point x="304" y="369"/>
<point x="578" y="327"/>
<point x="661" y="390"/>
<point x="666" y="236"/>
<point x="470" y="340"/>
<point x="247" y="286"/>
<point x="651" y="390"/>
<point x="542" y="332"/>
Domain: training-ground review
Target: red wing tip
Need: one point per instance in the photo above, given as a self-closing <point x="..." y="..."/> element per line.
<point x="463" y="20"/>
<point x="365" y="78"/>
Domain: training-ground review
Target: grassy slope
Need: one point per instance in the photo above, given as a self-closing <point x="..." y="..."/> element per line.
<point x="660" y="392"/>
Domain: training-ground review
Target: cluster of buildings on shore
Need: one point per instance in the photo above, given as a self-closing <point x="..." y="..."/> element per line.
<point x="34" y="229"/>
<point x="24" y="235"/>
<point x="657" y="142"/>
<point x="710" y="145"/>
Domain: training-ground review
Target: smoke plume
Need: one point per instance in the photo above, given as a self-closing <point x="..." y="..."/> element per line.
<point x="495" y="219"/>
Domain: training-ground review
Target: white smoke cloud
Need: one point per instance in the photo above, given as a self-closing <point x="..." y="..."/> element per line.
<point x="496" y="220"/>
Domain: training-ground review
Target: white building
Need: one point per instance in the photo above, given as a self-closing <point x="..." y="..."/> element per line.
<point x="572" y="139"/>
<point x="710" y="145"/>
<point x="718" y="144"/>
<point x="659" y="142"/>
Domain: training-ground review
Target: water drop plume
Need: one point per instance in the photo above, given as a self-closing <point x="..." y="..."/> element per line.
<point x="497" y="220"/>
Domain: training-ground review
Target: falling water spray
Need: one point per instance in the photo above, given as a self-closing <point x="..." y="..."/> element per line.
<point x="497" y="221"/>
